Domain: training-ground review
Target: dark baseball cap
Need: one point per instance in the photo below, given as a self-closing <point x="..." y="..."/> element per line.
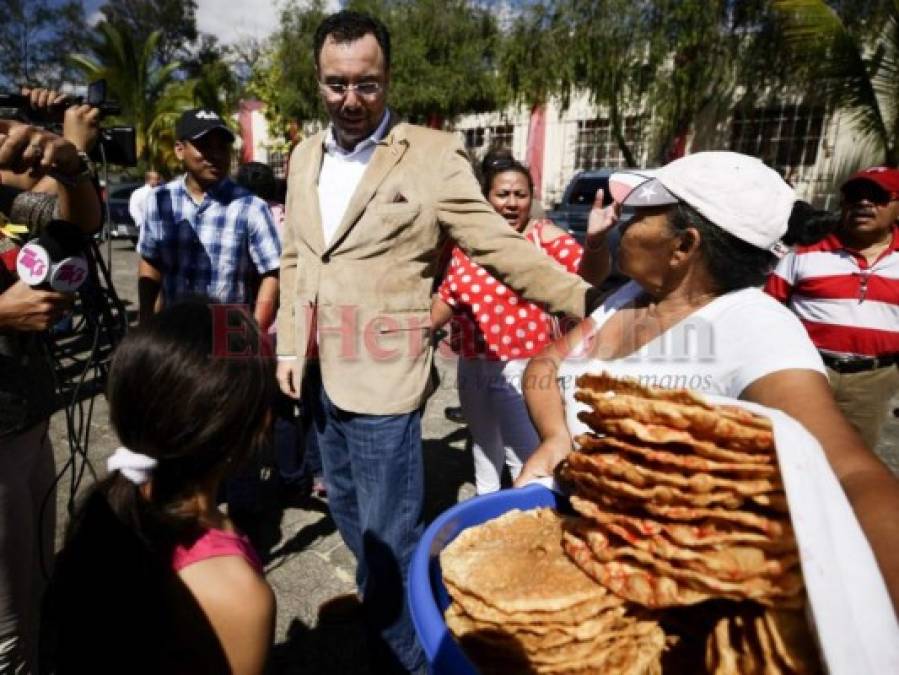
<point x="198" y="122"/>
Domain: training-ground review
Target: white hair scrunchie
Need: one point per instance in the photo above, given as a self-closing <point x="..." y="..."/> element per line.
<point x="132" y="465"/>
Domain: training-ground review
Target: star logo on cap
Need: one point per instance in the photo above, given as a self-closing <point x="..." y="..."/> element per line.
<point x="647" y="192"/>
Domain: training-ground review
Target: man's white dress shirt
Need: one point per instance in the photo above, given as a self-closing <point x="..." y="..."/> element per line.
<point x="340" y="175"/>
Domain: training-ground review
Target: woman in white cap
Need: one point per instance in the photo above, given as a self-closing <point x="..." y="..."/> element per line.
<point x="706" y="232"/>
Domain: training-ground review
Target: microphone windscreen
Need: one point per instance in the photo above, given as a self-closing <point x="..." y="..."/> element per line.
<point x="61" y="239"/>
<point x="33" y="264"/>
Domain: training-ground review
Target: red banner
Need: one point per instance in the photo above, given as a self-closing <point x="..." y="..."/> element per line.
<point x="536" y="141"/>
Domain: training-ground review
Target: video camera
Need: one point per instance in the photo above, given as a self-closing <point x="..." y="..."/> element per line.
<point x="116" y="145"/>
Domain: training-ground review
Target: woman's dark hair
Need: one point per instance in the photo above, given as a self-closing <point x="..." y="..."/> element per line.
<point x="500" y="161"/>
<point x="194" y="393"/>
<point x="348" y="26"/>
<point x="733" y="263"/>
<point x="259" y="179"/>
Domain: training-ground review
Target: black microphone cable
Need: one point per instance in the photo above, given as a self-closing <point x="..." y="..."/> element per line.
<point x="102" y="323"/>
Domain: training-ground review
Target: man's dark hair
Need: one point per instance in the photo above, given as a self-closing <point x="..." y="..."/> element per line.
<point x="348" y="26"/>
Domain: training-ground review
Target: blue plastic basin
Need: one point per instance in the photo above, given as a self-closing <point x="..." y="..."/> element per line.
<point x="427" y="595"/>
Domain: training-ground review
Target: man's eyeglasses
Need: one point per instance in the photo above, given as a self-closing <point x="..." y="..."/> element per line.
<point x="340" y="89"/>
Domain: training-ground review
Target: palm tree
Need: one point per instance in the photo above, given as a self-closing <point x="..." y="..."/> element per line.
<point x="160" y="150"/>
<point x="853" y="71"/>
<point x="134" y="79"/>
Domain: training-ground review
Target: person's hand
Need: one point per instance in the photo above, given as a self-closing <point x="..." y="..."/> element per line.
<point x="27" y="148"/>
<point x="601" y="219"/>
<point x="24" y="308"/>
<point x="81" y="126"/>
<point x="47" y="103"/>
<point x="545" y="459"/>
<point x="80" y="122"/>
<point x="288" y="374"/>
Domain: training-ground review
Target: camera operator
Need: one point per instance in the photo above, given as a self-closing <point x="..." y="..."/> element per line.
<point x="80" y="127"/>
<point x="42" y="177"/>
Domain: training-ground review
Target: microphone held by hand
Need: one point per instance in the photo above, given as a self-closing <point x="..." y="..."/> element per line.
<point x="54" y="259"/>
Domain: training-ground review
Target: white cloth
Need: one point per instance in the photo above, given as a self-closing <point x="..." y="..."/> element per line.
<point x="132" y="465"/>
<point x="721" y="348"/>
<point x="137" y="204"/>
<point x="341" y="173"/>
<point x="850" y="606"/>
<point x="501" y="430"/>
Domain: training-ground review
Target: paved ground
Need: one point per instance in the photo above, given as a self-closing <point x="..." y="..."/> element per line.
<point x="306" y="562"/>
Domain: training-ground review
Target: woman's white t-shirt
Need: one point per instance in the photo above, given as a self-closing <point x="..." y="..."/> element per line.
<point x="721" y="348"/>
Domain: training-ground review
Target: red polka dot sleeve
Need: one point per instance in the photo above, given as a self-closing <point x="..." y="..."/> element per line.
<point x="491" y="320"/>
<point x="565" y="250"/>
<point x="449" y="287"/>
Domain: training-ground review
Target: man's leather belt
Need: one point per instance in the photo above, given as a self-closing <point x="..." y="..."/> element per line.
<point x="859" y="364"/>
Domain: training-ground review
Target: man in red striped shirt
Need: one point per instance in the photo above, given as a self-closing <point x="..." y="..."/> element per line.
<point x="845" y="289"/>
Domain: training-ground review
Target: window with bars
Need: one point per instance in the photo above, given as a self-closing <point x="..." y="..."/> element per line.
<point x="596" y="147"/>
<point x="784" y="136"/>
<point x="474" y="138"/>
<point x="500" y="136"/>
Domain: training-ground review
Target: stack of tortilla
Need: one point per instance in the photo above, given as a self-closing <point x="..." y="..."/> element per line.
<point x="682" y="558"/>
<point x="682" y="503"/>
<point x="520" y="605"/>
<point x="754" y="639"/>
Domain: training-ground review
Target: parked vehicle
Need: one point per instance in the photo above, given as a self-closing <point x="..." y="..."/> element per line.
<point x="121" y="225"/>
<point x="577" y="200"/>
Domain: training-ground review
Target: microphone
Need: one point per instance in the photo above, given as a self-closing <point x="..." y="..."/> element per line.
<point x="54" y="259"/>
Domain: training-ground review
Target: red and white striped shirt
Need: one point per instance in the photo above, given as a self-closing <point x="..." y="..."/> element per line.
<point x="847" y="305"/>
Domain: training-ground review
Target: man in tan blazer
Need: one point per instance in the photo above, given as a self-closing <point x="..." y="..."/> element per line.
<point x="370" y="204"/>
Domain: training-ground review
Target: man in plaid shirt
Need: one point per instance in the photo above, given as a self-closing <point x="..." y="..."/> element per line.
<point x="205" y="235"/>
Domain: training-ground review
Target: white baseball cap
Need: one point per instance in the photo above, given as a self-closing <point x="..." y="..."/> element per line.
<point x="738" y="193"/>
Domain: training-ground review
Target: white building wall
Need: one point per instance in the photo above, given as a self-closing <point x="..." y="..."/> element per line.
<point x="517" y="116"/>
<point x="560" y="139"/>
<point x="561" y="142"/>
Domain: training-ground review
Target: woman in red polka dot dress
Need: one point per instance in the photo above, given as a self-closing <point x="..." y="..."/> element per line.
<point x="496" y="331"/>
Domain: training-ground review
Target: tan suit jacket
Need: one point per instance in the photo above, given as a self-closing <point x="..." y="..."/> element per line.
<point x="371" y="286"/>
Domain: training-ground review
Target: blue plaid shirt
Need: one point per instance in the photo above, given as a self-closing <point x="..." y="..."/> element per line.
<point x="208" y="248"/>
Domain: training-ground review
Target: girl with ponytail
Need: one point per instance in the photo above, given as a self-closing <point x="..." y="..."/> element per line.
<point x="175" y="586"/>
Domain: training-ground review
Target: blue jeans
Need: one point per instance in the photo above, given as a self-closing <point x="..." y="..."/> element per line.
<point x="288" y="441"/>
<point x="375" y="476"/>
<point x="296" y="448"/>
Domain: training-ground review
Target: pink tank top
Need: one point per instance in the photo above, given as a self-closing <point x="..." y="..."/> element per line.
<point x="215" y="543"/>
